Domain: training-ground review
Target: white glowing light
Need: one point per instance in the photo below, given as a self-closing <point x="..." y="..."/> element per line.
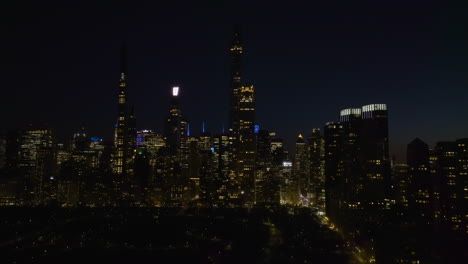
<point x="175" y="91"/>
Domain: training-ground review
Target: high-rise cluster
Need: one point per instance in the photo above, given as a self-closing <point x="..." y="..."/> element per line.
<point x="343" y="171"/>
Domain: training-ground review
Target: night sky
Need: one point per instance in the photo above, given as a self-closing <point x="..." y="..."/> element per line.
<point x="60" y="64"/>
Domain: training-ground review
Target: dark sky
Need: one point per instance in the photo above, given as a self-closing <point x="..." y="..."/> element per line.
<point x="60" y="63"/>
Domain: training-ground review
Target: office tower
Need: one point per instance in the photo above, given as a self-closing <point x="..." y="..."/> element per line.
<point x="206" y="182"/>
<point x="317" y="169"/>
<point x="152" y="142"/>
<point x="198" y="163"/>
<point x="264" y="157"/>
<point x="142" y="171"/>
<point x="75" y="171"/>
<point x="226" y="193"/>
<point x="401" y="179"/>
<point x="235" y="52"/>
<point x="420" y="193"/>
<point x="235" y="82"/>
<point x="375" y="157"/>
<point x="36" y="163"/>
<point x="132" y="139"/>
<point x="63" y="154"/>
<point x="263" y="166"/>
<point x="80" y="180"/>
<point x="184" y="150"/>
<point x="462" y="182"/>
<point x="175" y="171"/>
<point x="173" y="125"/>
<point x="448" y="185"/>
<point x="277" y="150"/>
<point x="246" y="143"/>
<point x="301" y="170"/>
<point x="205" y="139"/>
<point x="121" y="140"/>
<point x="353" y="179"/>
<point x="334" y="170"/>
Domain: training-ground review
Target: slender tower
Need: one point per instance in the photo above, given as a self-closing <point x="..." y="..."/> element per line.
<point x="121" y="129"/>
<point x="246" y="144"/>
<point x="234" y="115"/>
<point x="236" y="73"/>
<point x="173" y="123"/>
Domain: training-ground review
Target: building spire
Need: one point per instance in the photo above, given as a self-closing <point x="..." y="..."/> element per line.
<point x="203" y="126"/>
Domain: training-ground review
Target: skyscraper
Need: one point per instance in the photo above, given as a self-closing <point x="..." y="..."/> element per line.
<point x="236" y="81"/>
<point x="317" y="169"/>
<point x="36" y="164"/>
<point x="374" y="155"/>
<point x="353" y="179"/>
<point x="448" y="185"/>
<point x="301" y="168"/>
<point x="241" y="119"/>
<point x="334" y="170"/>
<point x="173" y="126"/>
<point x="420" y="189"/>
<point x="121" y="140"/>
<point x="175" y="170"/>
<point x="247" y="143"/>
<point x="401" y="182"/>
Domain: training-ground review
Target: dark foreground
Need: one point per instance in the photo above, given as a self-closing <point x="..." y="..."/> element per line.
<point x="163" y="235"/>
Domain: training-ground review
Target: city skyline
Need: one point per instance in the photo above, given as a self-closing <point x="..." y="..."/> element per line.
<point x="311" y="91"/>
<point x="232" y="132"/>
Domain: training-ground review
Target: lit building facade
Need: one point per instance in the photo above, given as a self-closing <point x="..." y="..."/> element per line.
<point x="317" y="169"/>
<point x="334" y="169"/>
<point x="121" y="139"/>
<point x="375" y="157"/>
<point x="420" y="191"/>
<point x="246" y="144"/>
<point x="36" y="163"/>
<point x="301" y="170"/>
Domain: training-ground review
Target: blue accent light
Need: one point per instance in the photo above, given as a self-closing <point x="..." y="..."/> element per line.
<point x="140" y="139"/>
<point x="256" y="129"/>
<point x="188" y="130"/>
<point x="95" y="139"/>
<point x="212" y="149"/>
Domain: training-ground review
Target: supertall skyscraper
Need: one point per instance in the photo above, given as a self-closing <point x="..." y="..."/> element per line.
<point x="247" y="146"/>
<point x="121" y="140"/>
<point x="236" y="80"/>
<point x="173" y="124"/>
<point x="242" y="121"/>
